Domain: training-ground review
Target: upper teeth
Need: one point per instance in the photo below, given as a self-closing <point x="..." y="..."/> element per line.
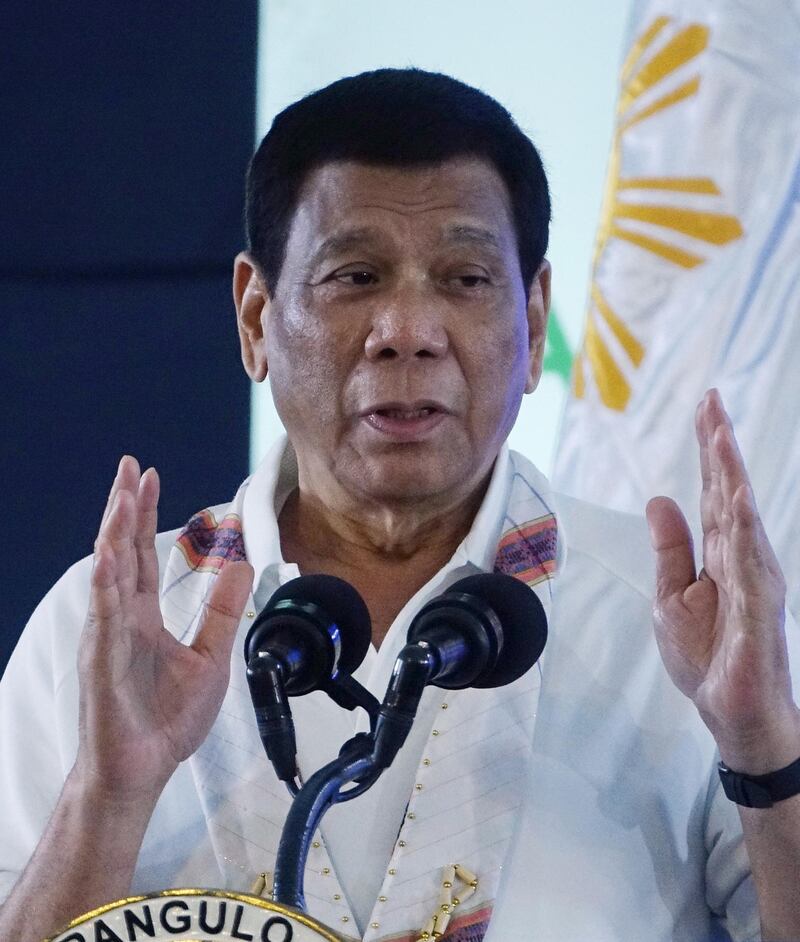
<point x="407" y="413"/>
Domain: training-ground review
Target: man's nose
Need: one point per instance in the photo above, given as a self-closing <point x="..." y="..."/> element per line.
<point x="406" y="325"/>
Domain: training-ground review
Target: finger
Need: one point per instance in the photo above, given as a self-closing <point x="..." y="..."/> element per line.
<point x="755" y="568"/>
<point x="145" y="535"/>
<point x="706" y="496"/>
<point x="127" y="478"/>
<point x="702" y="441"/>
<point x="712" y="518"/>
<point x="223" y="611"/>
<point x="671" y="540"/>
<point x="732" y="467"/>
<point x="106" y="643"/>
<point x="118" y="532"/>
<point x="104" y="598"/>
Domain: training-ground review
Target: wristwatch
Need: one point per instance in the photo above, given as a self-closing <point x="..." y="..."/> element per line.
<point x="760" y="791"/>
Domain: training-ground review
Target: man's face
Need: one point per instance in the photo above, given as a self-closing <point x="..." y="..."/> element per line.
<point x="398" y="340"/>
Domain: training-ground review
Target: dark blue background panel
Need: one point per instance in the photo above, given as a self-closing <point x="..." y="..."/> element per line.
<point x="98" y="370"/>
<point x="127" y="128"/>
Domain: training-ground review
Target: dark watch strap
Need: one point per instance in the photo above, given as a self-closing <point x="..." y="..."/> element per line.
<point x="761" y="791"/>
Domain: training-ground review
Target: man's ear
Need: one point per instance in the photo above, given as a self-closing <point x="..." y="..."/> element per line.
<point x="252" y="306"/>
<point x="538" y="308"/>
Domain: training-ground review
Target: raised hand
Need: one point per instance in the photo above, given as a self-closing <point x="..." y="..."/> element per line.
<point x="147" y="701"/>
<point x="721" y="632"/>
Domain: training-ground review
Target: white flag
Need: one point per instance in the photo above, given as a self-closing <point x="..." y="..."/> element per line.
<point x="696" y="277"/>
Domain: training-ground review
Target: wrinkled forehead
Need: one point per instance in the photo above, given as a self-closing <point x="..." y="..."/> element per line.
<point x="465" y="197"/>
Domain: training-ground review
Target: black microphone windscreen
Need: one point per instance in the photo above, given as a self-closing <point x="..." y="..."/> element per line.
<point x="522" y="616"/>
<point x="341" y="603"/>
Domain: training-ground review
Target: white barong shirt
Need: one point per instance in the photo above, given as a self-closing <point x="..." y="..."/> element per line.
<point x="585" y="796"/>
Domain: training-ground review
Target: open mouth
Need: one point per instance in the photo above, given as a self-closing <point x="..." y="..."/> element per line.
<point x="422" y="413"/>
<point x="405" y="424"/>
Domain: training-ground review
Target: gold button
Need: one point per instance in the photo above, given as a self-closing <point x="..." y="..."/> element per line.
<point x="345" y="919"/>
<point x="251" y="614"/>
<point x="401" y="843"/>
<point x="435" y="732"/>
<point x="426" y="761"/>
<point x="337" y="896"/>
<point x="411" y="815"/>
<point x="392" y="871"/>
<point x="383" y="899"/>
<point x="315" y="843"/>
<point x="326" y="870"/>
<point x="418" y="787"/>
<point x="444" y="706"/>
<point x="374" y="925"/>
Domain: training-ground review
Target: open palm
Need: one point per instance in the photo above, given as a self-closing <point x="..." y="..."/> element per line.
<point x="147" y="701"/>
<point x="721" y="632"/>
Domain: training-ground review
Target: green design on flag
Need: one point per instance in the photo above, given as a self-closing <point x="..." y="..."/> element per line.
<point x="557" y="354"/>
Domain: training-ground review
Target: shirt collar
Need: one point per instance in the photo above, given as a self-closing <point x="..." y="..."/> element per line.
<point x="270" y="484"/>
<point x="276" y="477"/>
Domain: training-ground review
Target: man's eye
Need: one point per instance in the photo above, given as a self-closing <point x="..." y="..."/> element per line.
<point x="356" y="277"/>
<point x="471" y="281"/>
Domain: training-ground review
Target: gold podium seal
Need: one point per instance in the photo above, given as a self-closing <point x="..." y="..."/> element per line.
<point x="187" y="915"/>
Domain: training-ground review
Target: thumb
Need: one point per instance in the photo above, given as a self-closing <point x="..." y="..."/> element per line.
<point x="223" y="611"/>
<point x="671" y="540"/>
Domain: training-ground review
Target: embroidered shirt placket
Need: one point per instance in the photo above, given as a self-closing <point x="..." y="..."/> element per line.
<point x="469" y="780"/>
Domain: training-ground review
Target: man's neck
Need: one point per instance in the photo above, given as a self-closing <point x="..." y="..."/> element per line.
<point x="387" y="555"/>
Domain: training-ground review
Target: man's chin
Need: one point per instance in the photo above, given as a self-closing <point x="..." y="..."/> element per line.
<point x="409" y="480"/>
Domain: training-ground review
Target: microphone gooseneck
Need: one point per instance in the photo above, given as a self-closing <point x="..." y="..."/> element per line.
<point x="485" y="631"/>
<point x="313" y="632"/>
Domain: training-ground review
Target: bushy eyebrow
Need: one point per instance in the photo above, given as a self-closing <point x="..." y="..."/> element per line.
<point x="471" y="235"/>
<point x="342" y="242"/>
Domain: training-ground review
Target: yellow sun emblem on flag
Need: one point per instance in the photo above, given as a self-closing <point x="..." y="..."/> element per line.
<point x="638" y="76"/>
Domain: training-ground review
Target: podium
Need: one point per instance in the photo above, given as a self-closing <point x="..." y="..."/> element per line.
<point x="192" y="914"/>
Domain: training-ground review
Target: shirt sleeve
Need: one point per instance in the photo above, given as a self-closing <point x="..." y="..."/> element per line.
<point x="39" y="720"/>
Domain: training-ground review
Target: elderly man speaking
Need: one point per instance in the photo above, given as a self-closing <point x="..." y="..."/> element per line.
<point x="395" y="291"/>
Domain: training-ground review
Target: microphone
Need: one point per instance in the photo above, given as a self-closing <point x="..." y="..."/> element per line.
<point x="312" y="634"/>
<point x="485" y="631"/>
